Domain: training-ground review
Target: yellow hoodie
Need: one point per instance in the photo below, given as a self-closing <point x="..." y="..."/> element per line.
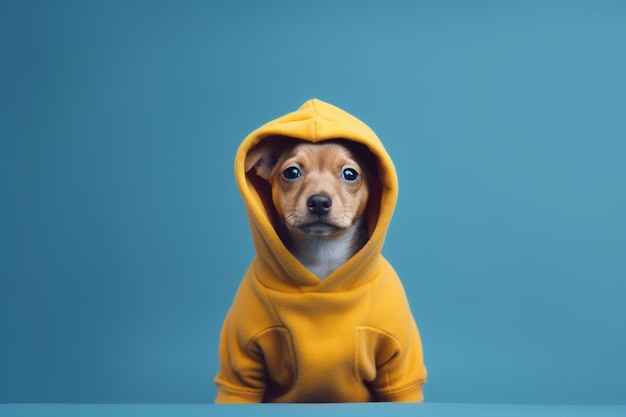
<point x="291" y="337"/>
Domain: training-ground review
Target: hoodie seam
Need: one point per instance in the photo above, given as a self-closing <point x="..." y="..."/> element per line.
<point x="276" y="316"/>
<point x="314" y="106"/>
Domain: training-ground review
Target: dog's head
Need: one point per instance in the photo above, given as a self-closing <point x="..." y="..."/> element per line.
<point x="318" y="190"/>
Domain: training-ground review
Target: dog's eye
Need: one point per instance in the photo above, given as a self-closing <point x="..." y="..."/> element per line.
<point x="349" y="174"/>
<point x="291" y="173"/>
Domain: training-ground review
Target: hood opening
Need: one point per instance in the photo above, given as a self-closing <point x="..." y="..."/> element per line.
<point x="262" y="158"/>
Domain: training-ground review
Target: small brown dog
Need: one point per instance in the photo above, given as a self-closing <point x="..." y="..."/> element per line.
<point x="320" y="192"/>
<point x="320" y="315"/>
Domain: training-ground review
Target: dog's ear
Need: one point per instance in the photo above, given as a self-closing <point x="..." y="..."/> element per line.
<point x="260" y="159"/>
<point x="264" y="156"/>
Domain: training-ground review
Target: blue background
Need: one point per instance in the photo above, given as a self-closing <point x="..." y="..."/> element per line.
<point x="123" y="236"/>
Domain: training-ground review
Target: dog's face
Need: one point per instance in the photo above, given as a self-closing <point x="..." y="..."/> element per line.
<point x="319" y="190"/>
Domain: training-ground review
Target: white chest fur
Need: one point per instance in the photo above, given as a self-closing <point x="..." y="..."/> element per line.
<point x="324" y="256"/>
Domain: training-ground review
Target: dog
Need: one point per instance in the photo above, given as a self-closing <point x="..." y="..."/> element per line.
<point x="320" y="315"/>
<point x="320" y="192"/>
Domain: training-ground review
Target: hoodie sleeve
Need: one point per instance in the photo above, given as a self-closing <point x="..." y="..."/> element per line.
<point x="392" y="366"/>
<point x="402" y="377"/>
<point x="390" y="348"/>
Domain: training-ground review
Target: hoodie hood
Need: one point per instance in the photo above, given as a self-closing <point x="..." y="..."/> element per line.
<point x="315" y="121"/>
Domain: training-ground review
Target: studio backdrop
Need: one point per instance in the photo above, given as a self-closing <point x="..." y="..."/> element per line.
<point x="123" y="236"/>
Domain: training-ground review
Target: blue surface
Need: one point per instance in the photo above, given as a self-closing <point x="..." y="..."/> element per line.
<point x="123" y="236"/>
<point x="304" y="410"/>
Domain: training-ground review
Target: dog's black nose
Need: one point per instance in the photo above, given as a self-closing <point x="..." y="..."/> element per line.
<point x="319" y="204"/>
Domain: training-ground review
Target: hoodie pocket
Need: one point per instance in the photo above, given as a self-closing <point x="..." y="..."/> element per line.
<point x="274" y="347"/>
<point x="374" y="349"/>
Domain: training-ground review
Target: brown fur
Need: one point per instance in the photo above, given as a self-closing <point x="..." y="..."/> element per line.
<point x="321" y="209"/>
